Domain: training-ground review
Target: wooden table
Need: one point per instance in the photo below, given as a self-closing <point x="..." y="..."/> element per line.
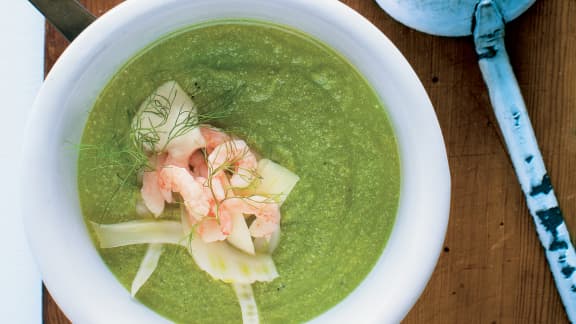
<point x="492" y="269"/>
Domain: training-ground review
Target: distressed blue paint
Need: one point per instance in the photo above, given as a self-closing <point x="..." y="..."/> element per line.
<point x="514" y="122"/>
<point x="544" y="187"/>
<point x="550" y="218"/>
<point x="568" y="271"/>
<point x="516" y="117"/>
<point x="558" y="245"/>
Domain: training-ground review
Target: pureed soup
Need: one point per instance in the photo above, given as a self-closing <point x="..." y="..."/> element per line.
<point x="295" y="102"/>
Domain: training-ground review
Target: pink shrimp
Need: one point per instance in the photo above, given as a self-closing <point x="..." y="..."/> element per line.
<point x="235" y="154"/>
<point x="267" y="213"/>
<point x="262" y="228"/>
<point x="209" y="230"/>
<point x="180" y="180"/>
<point x="212" y="229"/>
<point x="213" y="137"/>
<point x="216" y="191"/>
<point x="198" y="163"/>
<point x="180" y="148"/>
<point x="181" y="162"/>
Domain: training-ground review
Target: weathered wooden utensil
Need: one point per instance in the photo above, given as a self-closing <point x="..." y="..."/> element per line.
<point x="68" y="16"/>
<point x="485" y="20"/>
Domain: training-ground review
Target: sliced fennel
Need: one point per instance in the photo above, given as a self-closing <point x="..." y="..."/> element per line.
<point x="240" y="236"/>
<point x="147" y="267"/>
<point x="167" y="121"/>
<point x="267" y="245"/>
<point x="138" y="232"/>
<point x="247" y="303"/>
<point x="219" y="259"/>
<point x="226" y="263"/>
<point x="275" y="181"/>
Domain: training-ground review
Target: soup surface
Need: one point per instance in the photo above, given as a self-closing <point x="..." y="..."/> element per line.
<point x="296" y="102"/>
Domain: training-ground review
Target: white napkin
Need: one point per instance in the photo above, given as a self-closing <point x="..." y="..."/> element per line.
<point x="21" y="73"/>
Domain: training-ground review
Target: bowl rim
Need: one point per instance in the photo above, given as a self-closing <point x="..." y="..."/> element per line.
<point x="430" y="182"/>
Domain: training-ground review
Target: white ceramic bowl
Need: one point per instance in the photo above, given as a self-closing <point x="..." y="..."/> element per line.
<point x="72" y="269"/>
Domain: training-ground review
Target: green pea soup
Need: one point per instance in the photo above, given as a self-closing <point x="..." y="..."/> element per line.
<point x="295" y="101"/>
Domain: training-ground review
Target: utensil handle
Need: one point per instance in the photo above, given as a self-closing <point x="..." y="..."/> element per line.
<point x="68" y="16"/>
<point x="516" y="128"/>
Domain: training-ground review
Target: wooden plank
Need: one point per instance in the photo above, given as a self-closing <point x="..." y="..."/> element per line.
<point x="492" y="269"/>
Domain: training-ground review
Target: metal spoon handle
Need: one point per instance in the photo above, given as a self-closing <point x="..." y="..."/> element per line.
<point x="68" y="16"/>
<point x="514" y="122"/>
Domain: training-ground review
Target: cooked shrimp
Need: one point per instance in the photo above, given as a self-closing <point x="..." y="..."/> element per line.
<point x="262" y="228"/>
<point x="181" y="147"/>
<point x="181" y="181"/>
<point x="216" y="191"/>
<point x="178" y="161"/>
<point x="213" y="137"/>
<point x="267" y="213"/>
<point x="265" y="208"/>
<point x="209" y="230"/>
<point x="198" y="163"/>
<point x="234" y="154"/>
<point x="235" y="205"/>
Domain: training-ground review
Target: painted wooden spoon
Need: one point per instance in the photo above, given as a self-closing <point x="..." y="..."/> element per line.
<point x="484" y="20"/>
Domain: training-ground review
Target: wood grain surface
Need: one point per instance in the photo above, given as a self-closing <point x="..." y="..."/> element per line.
<point x="492" y="269"/>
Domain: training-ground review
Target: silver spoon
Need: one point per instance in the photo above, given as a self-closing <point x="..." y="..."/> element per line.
<point x="484" y="20"/>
